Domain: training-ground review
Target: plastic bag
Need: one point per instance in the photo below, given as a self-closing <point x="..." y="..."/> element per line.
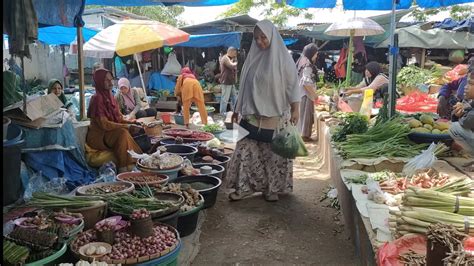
<point x="367" y="103"/>
<point x="424" y="160"/>
<point x="172" y="66"/>
<point x="375" y="193"/>
<point x="388" y="254"/>
<point x="288" y="143"/>
<point x="39" y="183"/>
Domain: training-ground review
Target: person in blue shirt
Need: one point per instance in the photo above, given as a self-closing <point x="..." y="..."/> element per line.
<point x="120" y="68"/>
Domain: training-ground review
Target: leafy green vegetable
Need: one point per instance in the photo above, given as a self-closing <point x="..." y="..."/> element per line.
<point x="413" y="76"/>
<point x="352" y="123"/>
<point x="214" y="128"/>
<point x="384" y="139"/>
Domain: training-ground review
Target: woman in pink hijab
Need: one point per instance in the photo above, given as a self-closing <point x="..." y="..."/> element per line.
<point x="130" y="103"/>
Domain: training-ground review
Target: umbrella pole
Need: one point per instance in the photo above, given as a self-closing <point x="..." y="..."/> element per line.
<point x="140" y="71"/>
<point x="349" y="58"/>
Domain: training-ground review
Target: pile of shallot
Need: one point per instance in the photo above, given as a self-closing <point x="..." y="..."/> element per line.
<point x="140" y="214"/>
<point x="129" y="246"/>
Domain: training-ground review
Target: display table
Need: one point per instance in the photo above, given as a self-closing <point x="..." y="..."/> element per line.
<point x="364" y="219"/>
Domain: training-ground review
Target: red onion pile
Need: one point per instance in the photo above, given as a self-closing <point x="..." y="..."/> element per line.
<point x="140" y="214"/>
<point x="105" y="226"/>
<point x="128" y="246"/>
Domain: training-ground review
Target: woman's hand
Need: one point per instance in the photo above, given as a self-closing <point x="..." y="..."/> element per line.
<point x="134" y="129"/>
<point x="295" y="113"/>
<point x="235" y="118"/>
<point x="349" y="92"/>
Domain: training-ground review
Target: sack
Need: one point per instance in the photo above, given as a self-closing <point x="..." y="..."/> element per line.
<point x="172" y="66"/>
<point x="289" y="144"/>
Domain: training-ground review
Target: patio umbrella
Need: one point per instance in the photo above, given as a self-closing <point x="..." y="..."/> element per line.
<point x="354" y="27"/>
<point x="131" y="37"/>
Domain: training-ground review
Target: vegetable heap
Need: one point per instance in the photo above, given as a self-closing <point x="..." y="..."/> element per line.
<point x="127" y="246"/>
<point x="128" y="203"/>
<point x="352" y="123"/>
<point x="47" y="200"/>
<point x="212" y="128"/>
<point x="446" y="204"/>
<point x="413" y="76"/>
<point x="426" y="124"/>
<point x="384" y="139"/>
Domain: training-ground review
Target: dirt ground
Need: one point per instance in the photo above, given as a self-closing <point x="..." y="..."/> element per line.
<point x="298" y="229"/>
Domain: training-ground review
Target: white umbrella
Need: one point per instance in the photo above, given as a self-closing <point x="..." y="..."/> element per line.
<point x="131" y="37"/>
<point x="354" y="27"/>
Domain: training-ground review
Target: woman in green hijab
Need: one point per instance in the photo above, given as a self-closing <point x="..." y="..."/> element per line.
<point x="56" y="87"/>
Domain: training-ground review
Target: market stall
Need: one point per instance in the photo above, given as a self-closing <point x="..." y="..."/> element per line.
<point x="372" y="221"/>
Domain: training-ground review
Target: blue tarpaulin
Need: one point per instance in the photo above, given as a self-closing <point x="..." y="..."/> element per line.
<point x="214" y="40"/>
<point x="290" y="41"/>
<point x="451" y="24"/>
<point x="372" y="4"/>
<point x="157" y="2"/>
<point x="59" y="35"/>
<point x="59" y="12"/>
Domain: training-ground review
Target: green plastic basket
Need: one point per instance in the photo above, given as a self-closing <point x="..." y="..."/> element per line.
<point x="49" y="259"/>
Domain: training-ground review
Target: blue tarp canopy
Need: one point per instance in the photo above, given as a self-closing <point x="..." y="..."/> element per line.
<point x="290" y="41"/>
<point x="451" y="24"/>
<point x="214" y="40"/>
<point x="59" y="12"/>
<point x="59" y="35"/>
<point x="157" y="2"/>
<point x="372" y="4"/>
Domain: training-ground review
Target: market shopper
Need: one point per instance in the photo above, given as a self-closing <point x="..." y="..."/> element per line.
<point x="374" y="79"/>
<point x="462" y="131"/>
<point x="189" y="90"/>
<point x="228" y="78"/>
<point x="130" y="103"/>
<point x="108" y="130"/>
<point x="449" y="95"/>
<point x="306" y="73"/>
<point x="268" y="101"/>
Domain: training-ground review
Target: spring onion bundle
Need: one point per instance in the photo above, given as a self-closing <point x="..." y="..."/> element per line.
<point x="47" y="200"/>
<point x="384" y="139"/>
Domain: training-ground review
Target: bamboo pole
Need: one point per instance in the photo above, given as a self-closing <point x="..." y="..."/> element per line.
<point x="80" y="62"/>
<point x="349" y="57"/>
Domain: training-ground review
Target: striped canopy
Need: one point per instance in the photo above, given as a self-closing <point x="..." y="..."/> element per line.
<point x="133" y="36"/>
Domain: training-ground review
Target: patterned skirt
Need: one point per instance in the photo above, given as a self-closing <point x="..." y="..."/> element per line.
<point x="254" y="167"/>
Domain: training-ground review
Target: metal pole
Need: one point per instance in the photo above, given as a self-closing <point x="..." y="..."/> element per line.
<point x="24" y="87"/>
<point x="140" y="72"/>
<point x="392" y="60"/>
<point x="80" y="62"/>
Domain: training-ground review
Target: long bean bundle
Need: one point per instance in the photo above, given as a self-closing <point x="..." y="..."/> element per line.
<point x="383" y="139"/>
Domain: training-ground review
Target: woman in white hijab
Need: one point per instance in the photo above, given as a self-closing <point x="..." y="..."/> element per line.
<point x="268" y="100"/>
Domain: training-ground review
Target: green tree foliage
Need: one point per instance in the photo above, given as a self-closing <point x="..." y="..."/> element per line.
<point x="278" y="13"/>
<point x="168" y="15"/>
<point x="457" y="12"/>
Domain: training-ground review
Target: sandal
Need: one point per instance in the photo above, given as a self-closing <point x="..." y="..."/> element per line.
<point x="234" y="196"/>
<point x="271" y="197"/>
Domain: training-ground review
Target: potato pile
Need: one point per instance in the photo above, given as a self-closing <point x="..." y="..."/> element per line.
<point x="426" y="124"/>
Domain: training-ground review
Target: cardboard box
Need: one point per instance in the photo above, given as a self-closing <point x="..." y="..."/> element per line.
<point x="39" y="109"/>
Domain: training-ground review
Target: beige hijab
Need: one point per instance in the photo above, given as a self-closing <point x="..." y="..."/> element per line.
<point x="269" y="80"/>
